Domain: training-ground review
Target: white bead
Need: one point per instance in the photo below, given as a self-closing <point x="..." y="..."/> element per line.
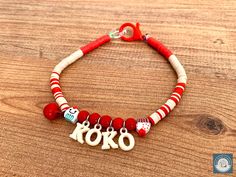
<point x="122" y="145"/>
<point x="146" y="126"/>
<point x="155" y="117"/>
<point x="108" y="140"/>
<point x="182" y="77"/>
<point x="71" y="114"/>
<point x="90" y="133"/>
<point x="78" y="132"/>
<point x="67" y="61"/>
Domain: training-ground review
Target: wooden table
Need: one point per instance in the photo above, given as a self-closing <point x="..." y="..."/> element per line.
<point x="119" y="79"/>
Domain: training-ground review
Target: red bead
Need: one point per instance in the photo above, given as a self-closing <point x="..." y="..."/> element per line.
<point x="142" y="132"/>
<point x="52" y="111"/>
<point x="130" y="124"/>
<point x="93" y="118"/>
<point x="83" y="116"/>
<point x="151" y="121"/>
<point x="105" y="121"/>
<point x="117" y="123"/>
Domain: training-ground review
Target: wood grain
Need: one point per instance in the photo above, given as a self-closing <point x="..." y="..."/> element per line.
<point x="119" y="79"/>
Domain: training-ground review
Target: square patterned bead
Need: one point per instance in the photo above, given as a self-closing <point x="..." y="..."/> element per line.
<point x="71" y="115"/>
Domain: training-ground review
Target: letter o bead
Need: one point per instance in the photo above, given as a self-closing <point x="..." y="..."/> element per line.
<point x="90" y="133"/>
<point x="130" y="137"/>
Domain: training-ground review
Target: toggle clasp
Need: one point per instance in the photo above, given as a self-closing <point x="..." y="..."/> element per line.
<point x="135" y="33"/>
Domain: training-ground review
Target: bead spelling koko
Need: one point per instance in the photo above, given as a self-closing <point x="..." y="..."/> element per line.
<point x="94" y="123"/>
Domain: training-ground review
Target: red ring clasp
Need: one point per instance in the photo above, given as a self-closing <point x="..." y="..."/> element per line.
<point x="137" y="35"/>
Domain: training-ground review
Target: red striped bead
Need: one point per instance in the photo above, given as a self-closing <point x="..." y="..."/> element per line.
<point x="54" y="79"/>
<point x="181" y="84"/>
<point x="178" y="90"/>
<point x="151" y="120"/>
<point x="63" y="104"/>
<point x="56" y="89"/>
<point x="59" y="93"/>
<point x="168" y="107"/>
<point x="177" y="95"/>
<point x="64" y="109"/>
<point x="159" y="114"/>
<point x="54" y="82"/>
<point x="56" y="73"/>
<point x="164" y="110"/>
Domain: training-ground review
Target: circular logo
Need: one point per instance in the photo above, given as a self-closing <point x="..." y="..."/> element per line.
<point x="222" y="163"/>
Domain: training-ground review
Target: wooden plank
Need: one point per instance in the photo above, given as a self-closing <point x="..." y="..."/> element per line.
<point x="119" y="79"/>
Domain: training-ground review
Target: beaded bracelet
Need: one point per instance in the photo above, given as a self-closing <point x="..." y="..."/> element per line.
<point x="85" y="120"/>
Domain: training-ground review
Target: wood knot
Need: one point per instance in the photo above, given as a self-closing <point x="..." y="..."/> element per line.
<point x="210" y="125"/>
<point x="218" y="41"/>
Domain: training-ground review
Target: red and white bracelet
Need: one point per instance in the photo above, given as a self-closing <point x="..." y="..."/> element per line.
<point x="94" y="123"/>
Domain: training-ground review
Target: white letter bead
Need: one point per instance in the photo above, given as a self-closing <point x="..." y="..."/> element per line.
<point x="107" y="136"/>
<point x="108" y="140"/>
<point x="122" y="145"/>
<point x="98" y="138"/>
<point x="78" y="132"/>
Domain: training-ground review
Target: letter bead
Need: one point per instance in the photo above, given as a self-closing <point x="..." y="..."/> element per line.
<point x="97" y="131"/>
<point x="108" y="139"/>
<point x="79" y="130"/>
<point x="129" y="136"/>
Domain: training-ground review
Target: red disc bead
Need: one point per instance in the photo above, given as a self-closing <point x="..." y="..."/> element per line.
<point x="52" y="111"/>
<point x="83" y="116"/>
<point x="105" y="121"/>
<point x="130" y="124"/>
<point x="117" y="123"/>
<point x="93" y="118"/>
